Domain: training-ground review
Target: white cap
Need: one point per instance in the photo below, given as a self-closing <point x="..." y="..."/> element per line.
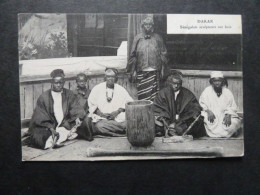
<point x="111" y="71"/>
<point x="216" y="74"/>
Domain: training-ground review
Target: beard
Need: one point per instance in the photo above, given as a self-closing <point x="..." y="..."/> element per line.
<point x="218" y="90"/>
<point x="110" y="85"/>
<point x="148" y="31"/>
<point x="82" y="87"/>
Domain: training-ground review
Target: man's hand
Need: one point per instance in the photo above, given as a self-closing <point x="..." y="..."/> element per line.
<point x="163" y="120"/>
<point x="172" y="130"/>
<point x="211" y="116"/>
<point x="132" y="77"/>
<point x="78" y="122"/>
<point x="172" y="126"/>
<point x="113" y="115"/>
<point x="227" y="120"/>
<point x="105" y="115"/>
<point x="175" y="129"/>
<point x="54" y="133"/>
<point x="162" y="73"/>
<point x="101" y="114"/>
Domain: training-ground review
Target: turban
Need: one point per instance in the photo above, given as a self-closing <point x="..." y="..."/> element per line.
<point x="57" y="73"/>
<point x="216" y="74"/>
<point x="110" y="71"/>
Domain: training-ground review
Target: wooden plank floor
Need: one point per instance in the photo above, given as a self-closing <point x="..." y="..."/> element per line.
<point x="77" y="149"/>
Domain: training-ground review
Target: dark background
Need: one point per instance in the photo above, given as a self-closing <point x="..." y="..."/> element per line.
<point x="190" y="176"/>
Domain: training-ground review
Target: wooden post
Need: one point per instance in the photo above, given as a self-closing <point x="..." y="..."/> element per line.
<point x="72" y="34"/>
<point x="140" y="123"/>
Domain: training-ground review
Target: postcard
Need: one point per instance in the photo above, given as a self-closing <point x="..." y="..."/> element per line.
<point x="130" y="86"/>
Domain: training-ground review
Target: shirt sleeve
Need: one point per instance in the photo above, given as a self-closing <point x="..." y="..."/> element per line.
<point x="92" y="101"/>
<point x="41" y="117"/>
<point x="232" y="107"/>
<point x="203" y="101"/>
<point x="131" y="65"/>
<point x="164" y="55"/>
<point x="76" y="111"/>
<point x="160" y="106"/>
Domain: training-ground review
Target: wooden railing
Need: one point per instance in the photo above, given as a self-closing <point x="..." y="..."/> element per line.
<point x="196" y="81"/>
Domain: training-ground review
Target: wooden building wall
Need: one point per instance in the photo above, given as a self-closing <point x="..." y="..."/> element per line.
<point x="30" y="90"/>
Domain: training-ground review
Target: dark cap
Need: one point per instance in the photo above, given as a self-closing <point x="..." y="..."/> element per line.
<point x="82" y="75"/>
<point x="175" y="74"/>
<point x="57" y="73"/>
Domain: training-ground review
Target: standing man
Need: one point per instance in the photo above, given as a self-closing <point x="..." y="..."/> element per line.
<point x="175" y="108"/>
<point x="82" y="92"/>
<point x="107" y="106"/>
<point x="219" y="108"/>
<point x="147" y="61"/>
<point x="57" y="116"/>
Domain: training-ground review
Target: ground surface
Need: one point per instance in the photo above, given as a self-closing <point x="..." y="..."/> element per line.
<point x="77" y="149"/>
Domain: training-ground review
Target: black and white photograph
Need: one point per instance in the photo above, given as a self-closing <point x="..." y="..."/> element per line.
<point x="101" y="87"/>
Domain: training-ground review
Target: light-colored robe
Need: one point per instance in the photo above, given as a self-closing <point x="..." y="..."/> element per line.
<point x="98" y="99"/>
<point x="224" y="104"/>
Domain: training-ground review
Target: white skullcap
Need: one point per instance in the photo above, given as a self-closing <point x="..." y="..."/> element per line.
<point x="216" y="74"/>
<point x="111" y="71"/>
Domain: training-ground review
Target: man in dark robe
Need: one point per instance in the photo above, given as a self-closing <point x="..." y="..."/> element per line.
<point x="82" y="92"/>
<point x="148" y="61"/>
<point x="57" y="116"/>
<point x="175" y="108"/>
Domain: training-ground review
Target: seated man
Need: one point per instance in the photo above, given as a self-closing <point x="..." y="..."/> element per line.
<point x="175" y="108"/>
<point x="219" y="108"/>
<point x="107" y="106"/>
<point x="57" y="116"/>
<point x="82" y="92"/>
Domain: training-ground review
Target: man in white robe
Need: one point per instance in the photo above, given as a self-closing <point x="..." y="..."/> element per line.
<point x="219" y="108"/>
<point x="107" y="106"/>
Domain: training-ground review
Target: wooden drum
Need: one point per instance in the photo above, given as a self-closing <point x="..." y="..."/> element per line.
<point x="140" y="125"/>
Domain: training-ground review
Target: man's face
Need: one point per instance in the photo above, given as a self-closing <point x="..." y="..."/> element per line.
<point x="217" y="82"/>
<point x="148" y="27"/>
<point x="176" y="84"/>
<point x="110" y="79"/>
<point x="57" y="84"/>
<point x="81" y="82"/>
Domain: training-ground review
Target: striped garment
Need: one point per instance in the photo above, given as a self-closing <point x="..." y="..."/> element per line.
<point x="147" y="85"/>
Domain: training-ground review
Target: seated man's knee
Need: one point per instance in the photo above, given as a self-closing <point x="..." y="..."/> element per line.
<point x="101" y="125"/>
<point x="123" y="125"/>
<point x="39" y="137"/>
<point x="85" y="130"/>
